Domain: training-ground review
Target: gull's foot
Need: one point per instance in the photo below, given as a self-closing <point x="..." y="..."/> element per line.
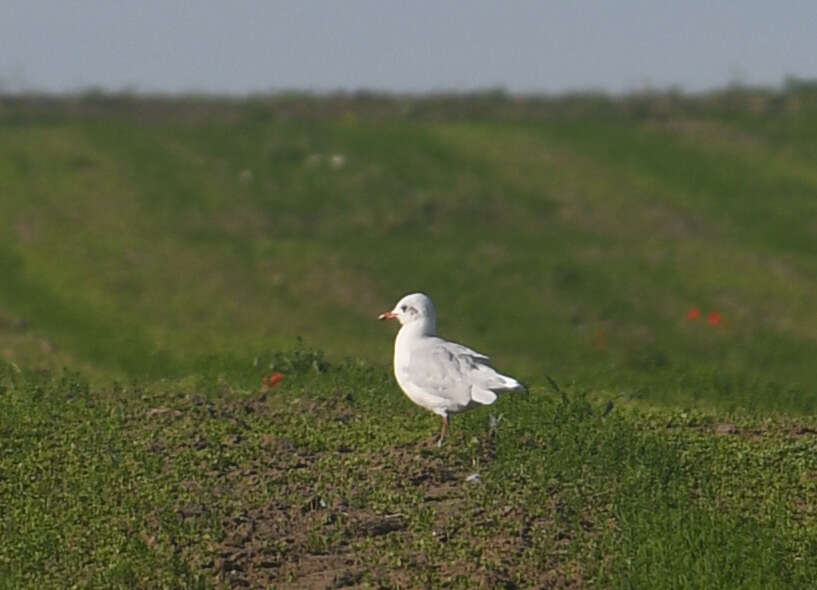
<point x="433" y="441"/>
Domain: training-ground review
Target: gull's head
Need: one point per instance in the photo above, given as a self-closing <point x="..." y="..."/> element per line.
<point x="414" y="308"/>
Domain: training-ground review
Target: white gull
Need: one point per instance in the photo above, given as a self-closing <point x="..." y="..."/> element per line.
<point x="441" y="376"/>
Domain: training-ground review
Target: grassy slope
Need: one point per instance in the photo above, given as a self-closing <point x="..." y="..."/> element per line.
<point x="568" y="239"/>
<point x="567" y="245"/>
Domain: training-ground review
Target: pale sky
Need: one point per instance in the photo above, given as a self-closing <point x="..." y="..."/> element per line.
<point x="245" y="46"/>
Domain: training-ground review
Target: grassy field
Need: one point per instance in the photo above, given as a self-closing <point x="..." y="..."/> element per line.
<point x="170" y="254"/>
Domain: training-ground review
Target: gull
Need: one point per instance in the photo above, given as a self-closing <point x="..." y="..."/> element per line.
<point x="441" y="376"/>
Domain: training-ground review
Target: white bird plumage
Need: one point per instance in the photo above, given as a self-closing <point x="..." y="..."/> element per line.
<point x="441" y="376"/>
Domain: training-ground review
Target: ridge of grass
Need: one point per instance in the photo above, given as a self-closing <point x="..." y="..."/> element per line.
<point x="332" y="477"/>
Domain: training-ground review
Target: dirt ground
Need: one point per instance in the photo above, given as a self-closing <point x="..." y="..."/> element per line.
<point x="332" y="522"/>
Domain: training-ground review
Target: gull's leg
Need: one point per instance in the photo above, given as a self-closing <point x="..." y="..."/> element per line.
<point x="442" y="431"/>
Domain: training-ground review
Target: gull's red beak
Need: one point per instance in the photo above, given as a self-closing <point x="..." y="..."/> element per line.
<point x="387" y="316"/>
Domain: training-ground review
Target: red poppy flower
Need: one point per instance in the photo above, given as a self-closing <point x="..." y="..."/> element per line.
<point x="714" y="318"/>
<point x="272" y="380"/>
<point x="693" y="314"/>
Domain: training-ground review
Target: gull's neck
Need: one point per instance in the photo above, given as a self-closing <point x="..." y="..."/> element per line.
<point x="409" y="336"/>
<point x="418" y="329"/>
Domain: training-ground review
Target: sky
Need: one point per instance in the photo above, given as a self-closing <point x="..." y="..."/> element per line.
<point x="524" y="46"/>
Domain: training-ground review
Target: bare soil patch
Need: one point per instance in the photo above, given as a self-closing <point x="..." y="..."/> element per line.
<point x="332" y="523"/>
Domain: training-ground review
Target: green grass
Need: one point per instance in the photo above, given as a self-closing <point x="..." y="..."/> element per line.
<point x="179" y="484"/>
<point x="132" y="244"/>
<point x="154" y="247"/>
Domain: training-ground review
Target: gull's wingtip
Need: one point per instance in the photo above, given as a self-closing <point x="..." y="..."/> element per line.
<point x="513" y="385"/>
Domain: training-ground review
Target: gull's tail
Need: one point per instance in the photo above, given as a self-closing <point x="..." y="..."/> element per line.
<point x="492" y="383"/>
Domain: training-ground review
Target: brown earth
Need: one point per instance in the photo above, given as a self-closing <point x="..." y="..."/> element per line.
<point x="330" y="524"/>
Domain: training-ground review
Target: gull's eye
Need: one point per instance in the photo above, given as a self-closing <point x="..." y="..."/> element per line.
<point x="402" y="308"/>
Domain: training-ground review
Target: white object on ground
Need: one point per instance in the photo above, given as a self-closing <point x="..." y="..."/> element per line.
<point x="441" y="376"/>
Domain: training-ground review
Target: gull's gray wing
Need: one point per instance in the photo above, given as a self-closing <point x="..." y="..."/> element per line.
<point x="463" y="350"/>
<point x="453" y="371"/>
<point x="439" y="372"/>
